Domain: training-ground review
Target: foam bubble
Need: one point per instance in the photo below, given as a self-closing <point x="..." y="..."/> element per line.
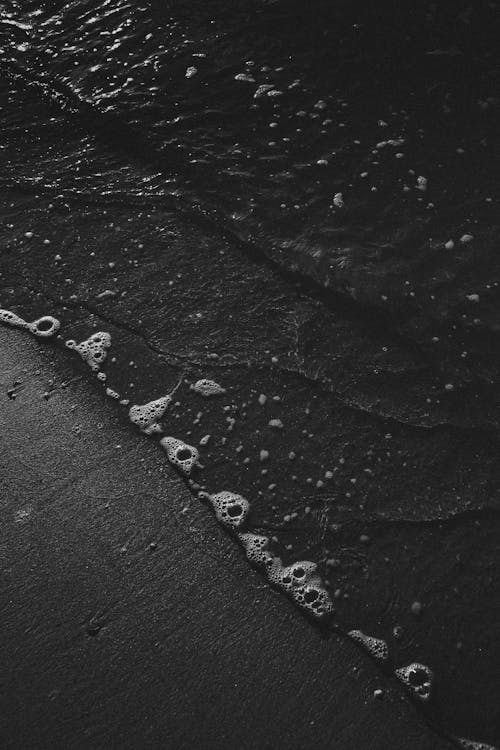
<point x="263" y="89"/>
<point x="293" y="575"/>
<point x="11" y="319"/>
<point x="208" y="388"/>
<point x="43" y="327"/>
<point x="244" y="77"/>
<point x="230" y="509"/>
<point x="93" y="350"/>
<point x="417" y="678"/>
<point x="256" y="548"/>
<point x="376" y="647"/>
<point x="300" y="581"/>
<point x="146" y="417"/>
<point x="180" y="454"/>
<point x="472" y="744"/>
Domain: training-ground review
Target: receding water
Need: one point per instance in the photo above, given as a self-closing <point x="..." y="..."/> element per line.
<point x="297" y="203"/>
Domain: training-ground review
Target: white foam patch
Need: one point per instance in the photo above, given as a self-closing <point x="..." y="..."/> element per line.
<point x="181" y="455"/>
<point x="302" y="583"/>
<point x="43" y="327"/>
<point x="472" y="744"/>
<point x="288" y="577"/>
<point x="146" y="417"/>
<point x="256" y="548"/>
<point x="376" y="647"/>
<point x="93" y="350"/>
<point x="418" y="679"/>
<point x="230" y="509"/>
<point x="11" y="319"/>
<point x="208" y="388"/>
<point x="263" y="89"/>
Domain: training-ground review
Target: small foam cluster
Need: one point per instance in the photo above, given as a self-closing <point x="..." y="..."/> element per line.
<point x="417" y="678"/>
<point x="230" y="509"/>
<point x="181" y="455"/>
<point x="146" y="417"/>
<point x="93" y="350"/>
<point x="11" y="319"/>
<point x="299" y="580"/>
<point x="303" y="585"/>
<point x="256" y="548"/>
<point x="208" y="388"/>
<point x="376" y="647"/>
<point x="43" y="327"/>
<point x="472" y="744"/>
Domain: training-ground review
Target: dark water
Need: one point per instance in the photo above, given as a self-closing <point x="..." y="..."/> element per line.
<point x="380" y="306"/>
<point x="361" y="101"/>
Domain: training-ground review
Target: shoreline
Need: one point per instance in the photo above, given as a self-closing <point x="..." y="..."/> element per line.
<point x="126" y="647"/>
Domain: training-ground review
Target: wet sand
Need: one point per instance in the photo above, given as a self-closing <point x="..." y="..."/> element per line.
<point x="384" y="470"/>
<point x="131" y="620"/>
<point x="410" y="513"/>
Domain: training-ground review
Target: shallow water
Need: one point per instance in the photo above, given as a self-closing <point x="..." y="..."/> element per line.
<point x="174" y="209"/>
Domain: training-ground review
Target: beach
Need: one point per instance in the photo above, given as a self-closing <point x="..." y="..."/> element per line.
<point x="314" y="237"/>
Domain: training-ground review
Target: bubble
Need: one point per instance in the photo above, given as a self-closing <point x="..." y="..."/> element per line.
<point x="244" y="77"/>
<point x="417" y="678"/>
<point x="180" y="454"/>
<point x="230" y="509"/>
<point x="93" y="350"/>
<point x="472" y="744"/>
<point x="45" y="327"/>
<point x="416" y="608"/>
<point x="146" y="417"/>
<point x="301" y="583"/>
<point x="376" y="647"/>
<point x="263" y="89"/>
<point x="208" y="388"/>
<point x="292" y="576"/>
<point x="11" y="319"/>
<point x="256" y="548"/>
